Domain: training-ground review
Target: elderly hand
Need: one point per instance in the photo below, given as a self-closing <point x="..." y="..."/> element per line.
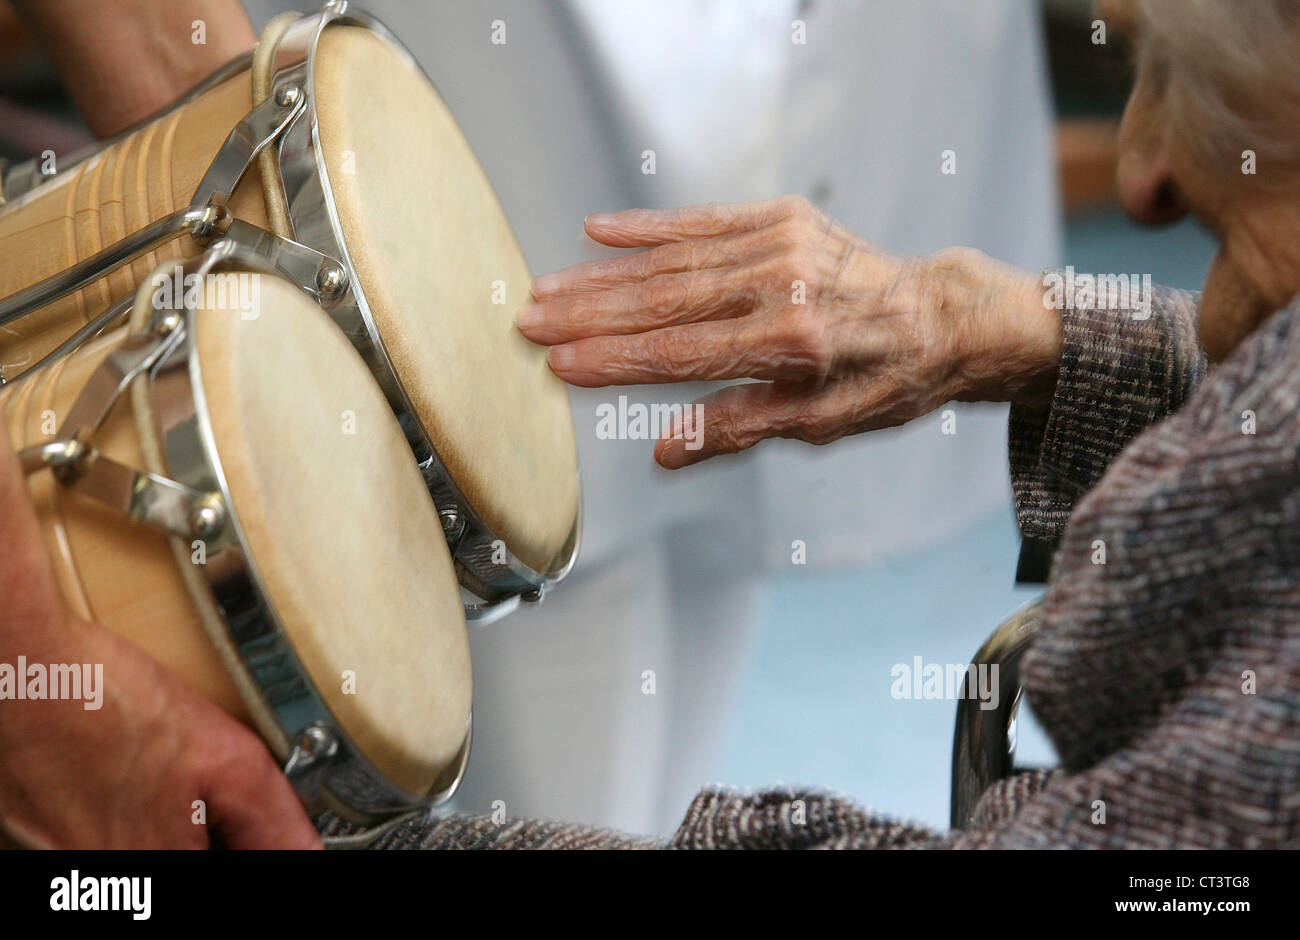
<point x="845" y="337"/>
<point x="128" y="773"/>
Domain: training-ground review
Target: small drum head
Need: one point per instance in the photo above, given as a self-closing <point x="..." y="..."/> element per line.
<point x="443" y="277"/>
<point x="339" y="527"/>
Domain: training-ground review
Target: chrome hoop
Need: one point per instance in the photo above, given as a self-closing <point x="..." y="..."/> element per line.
<point x="304" y="179"/>
<point x="315" y="258"/>
<point x="195" y="502"/>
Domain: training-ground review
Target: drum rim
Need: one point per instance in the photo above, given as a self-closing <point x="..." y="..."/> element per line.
<point x="176" y="389"/>
<point x="304" y="179"/>
<point x="472" y="542"/>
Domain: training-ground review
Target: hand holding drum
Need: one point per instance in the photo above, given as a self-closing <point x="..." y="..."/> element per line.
<point x="130" y="773"/>
<point x="331" y="470"/>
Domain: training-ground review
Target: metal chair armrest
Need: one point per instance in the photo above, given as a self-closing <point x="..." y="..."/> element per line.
<point x="984" y="741"/>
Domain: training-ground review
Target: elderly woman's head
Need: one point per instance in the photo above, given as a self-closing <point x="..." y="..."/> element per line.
<point x="1213" y="126"/>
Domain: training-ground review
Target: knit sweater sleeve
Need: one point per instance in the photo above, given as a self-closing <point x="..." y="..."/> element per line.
<point x="1122" y="370"/>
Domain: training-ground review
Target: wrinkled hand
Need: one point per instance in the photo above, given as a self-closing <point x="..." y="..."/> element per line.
<point x="126" y="775"/>
<point x="845" y="337"/>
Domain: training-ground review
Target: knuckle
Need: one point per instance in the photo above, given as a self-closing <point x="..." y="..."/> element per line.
<point x="237" y="752"/>
<point x="818" y="431"/>
<point x="660" y="350"/>
<point x="698" y="254"/>
<point x="792" y="205"/>
<point x="789" y="237"/>
<point x="802" y="264"/>
<point x="645" y="264"/>
<point x="815" y="424"/>
<point x="573" y="312"/>
<point x="720" y="213"/>
<point x="710" y="215"/>
<point x="792" y="254"/>
<point x="957" y="258"/>
<point x="729" y="437"/>
<point x="661" y="296"/>
<point x="770" y="280"/>
<point x="688" y="256"/>
<point x="805" y="340"/>
<point x="750" y="292"/>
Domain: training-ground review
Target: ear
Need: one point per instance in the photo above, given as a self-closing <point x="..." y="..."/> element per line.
<point x="1144" y="177"/>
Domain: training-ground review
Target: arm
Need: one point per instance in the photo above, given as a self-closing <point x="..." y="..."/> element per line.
<point x="127" y="772"/>
<point x="846" y="337"/>
<point x="1120" y="372"/>
<point x="849" y="338"/>
<point x="123" y="61"/>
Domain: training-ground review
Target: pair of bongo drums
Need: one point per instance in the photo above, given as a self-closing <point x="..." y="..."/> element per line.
<point x="260" y="365"/>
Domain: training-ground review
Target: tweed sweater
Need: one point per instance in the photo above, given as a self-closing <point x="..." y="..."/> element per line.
<point x="1167" y="665"/>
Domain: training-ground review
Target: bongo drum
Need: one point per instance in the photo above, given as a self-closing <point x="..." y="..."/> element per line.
<point x="307" y="588"/>
<point x="365" y="193"/>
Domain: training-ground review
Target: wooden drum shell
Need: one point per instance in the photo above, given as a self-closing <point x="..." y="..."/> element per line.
<point x="139" y="179"/>
<point x="117" y="573"/>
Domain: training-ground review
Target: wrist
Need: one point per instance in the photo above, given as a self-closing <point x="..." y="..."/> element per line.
<point x="1007" y="343"/>
<point x="46" y="637"/>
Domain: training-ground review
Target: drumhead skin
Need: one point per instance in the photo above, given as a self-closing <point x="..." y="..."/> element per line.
<point x="433" y="250"/>
<point x="340" y="529"/>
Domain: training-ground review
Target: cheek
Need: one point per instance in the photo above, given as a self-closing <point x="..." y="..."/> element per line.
<point x="1230" y="308"/>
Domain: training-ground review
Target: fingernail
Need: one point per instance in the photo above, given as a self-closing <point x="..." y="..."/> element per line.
<point x="668" y="453"/>
<point x="547" y="283"/>
<point x="598" y="218"/>
<point x="561" y="357"/>
<point x="528" y="315"/>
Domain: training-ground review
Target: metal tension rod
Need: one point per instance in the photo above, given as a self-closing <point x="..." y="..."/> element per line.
<point x="206" y="218"/>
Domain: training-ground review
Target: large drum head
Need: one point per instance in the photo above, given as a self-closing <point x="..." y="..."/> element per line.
<point x="339" y="527"/>
<point x="444" y="277"/>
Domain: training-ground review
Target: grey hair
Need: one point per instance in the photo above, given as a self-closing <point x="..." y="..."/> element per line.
<point x="1229" y="76"/>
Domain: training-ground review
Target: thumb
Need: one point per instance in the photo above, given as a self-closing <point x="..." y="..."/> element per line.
<point x="27" y="585"/>
<point x="251" y="804"/>
<point x="731" y="420"/>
